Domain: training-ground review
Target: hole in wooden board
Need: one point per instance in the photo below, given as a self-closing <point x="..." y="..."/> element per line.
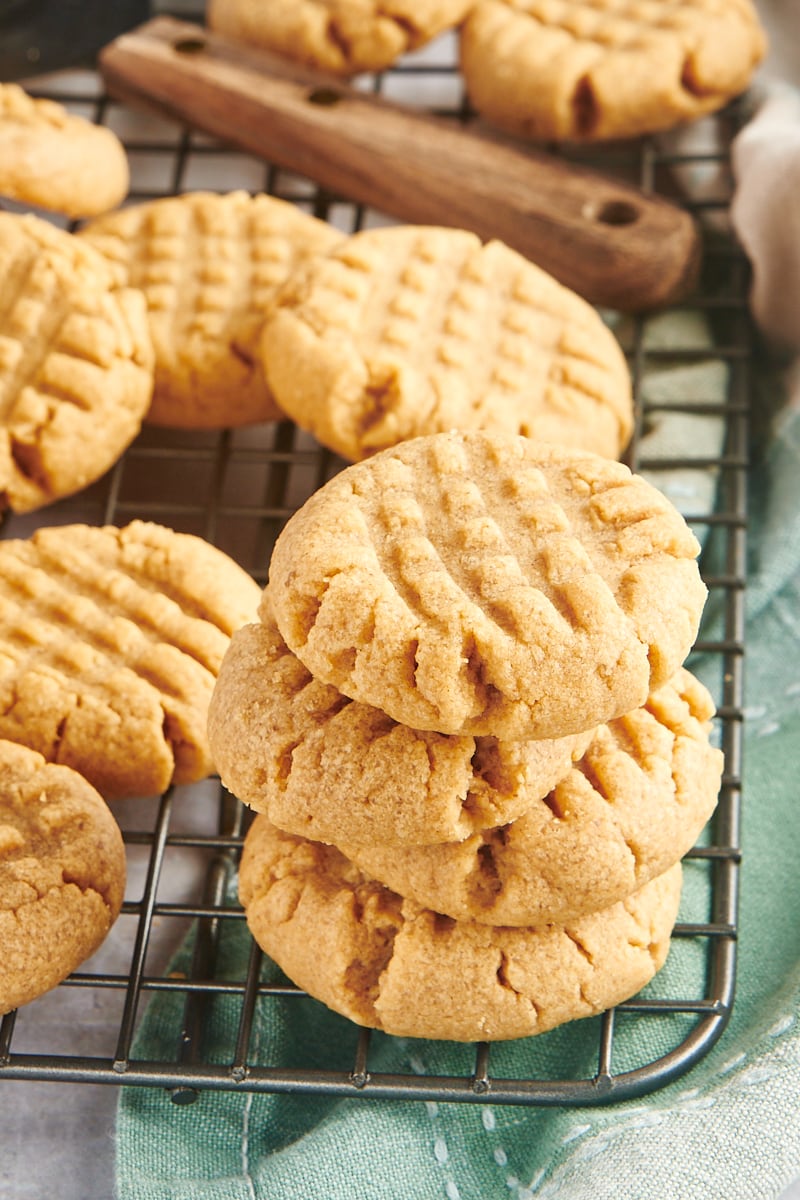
<point x="612" y="212"/>
<point x="324" y="96"/>
<point x="189" y="45"/>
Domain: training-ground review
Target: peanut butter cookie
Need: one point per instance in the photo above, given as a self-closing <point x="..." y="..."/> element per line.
<point x="342" y="36"/>
<point x="411" y="330"/>
<point x="111" y="642"/>
<point x="55" y="159"/>
<point x="209" y="266"/>
<point x="62" y="873"/>
<point x="388" y="964"/>
<point x="474" y="583"/>
<point x="76" y="364"/>
<point x="587" y="70"/>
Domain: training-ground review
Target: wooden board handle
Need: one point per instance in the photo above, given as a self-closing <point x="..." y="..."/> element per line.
<point x="612" y="243"/>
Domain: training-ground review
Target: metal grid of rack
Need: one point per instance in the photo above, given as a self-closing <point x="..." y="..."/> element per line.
<point x="236" y="489"/>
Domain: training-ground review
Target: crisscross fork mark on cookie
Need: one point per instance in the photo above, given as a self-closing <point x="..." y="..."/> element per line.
<point x="483" y="311"/>
<point x="194" y="263"/>
<point x="447" y="559"/>
<point x="39" y="318"/>
<point x="100" y="669"/>
<point x="483" y="559"/>
<point x="205" y="263"/>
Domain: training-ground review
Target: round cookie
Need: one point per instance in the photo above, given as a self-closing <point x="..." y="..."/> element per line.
<point x="76" y="364"/>
<point x="589" y="70"/>
<point x="411" y="330"/>
<point x="62" y="873"/>
<point x="54" y="159"/>
<point x="388" y="964"/>
<point x="469" y="583"/>
<point x="209" y="266"/>
<point x="325" y="767"/>
<point x="631" y="808"/>
<point x="342" y="36"/>
<point x="111" y="642"/>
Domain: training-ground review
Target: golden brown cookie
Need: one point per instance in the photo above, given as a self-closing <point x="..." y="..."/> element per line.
<point x="342" y="36"/>
<point x="588" y="70"/>
<point x="76" y="364"/>
<point x="62" y="873"/>
<point x="57" y="160"/>
<point x="389" y="964"/>
<point x="631" y="808"/>
<point x="328" y="768"/>
<point x="111" y="642"/>
<point x="209" y="266"/>
<point x="412" y="330"/>
<point x="469" y="583"/>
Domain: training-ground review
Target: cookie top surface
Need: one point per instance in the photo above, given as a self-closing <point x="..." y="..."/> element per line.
<point x="62" y="873"/>
<point x="341" y="36"/>
<point x="627" y="811"/>
<point x="469" y="583"/>
<point x="388" y="964"/>
<point x="209" y="266"/>
<point x="411" y="330"/>
<point x="111" y="641"/>
<point x="57" y="160"/>
<point x="76" y="364"/>
<point x="595" y="69"/>
<point x="326" y="767"/>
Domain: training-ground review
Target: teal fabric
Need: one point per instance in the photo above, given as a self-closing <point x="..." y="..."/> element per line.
<point x="727" y="1130"/>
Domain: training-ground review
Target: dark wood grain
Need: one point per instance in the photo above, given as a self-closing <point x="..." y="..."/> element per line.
<point x="608" y="241"/>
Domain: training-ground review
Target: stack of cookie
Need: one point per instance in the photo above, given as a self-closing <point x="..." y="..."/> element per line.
<point x="464" y="721"/>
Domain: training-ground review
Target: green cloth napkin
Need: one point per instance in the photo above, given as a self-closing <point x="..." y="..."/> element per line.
<point x="728" y="1130"/>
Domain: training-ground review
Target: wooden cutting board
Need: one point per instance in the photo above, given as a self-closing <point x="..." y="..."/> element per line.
<point x="612" y="243"/>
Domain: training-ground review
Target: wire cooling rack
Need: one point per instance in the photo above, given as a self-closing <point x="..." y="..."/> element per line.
<point x="237" y="489"/>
